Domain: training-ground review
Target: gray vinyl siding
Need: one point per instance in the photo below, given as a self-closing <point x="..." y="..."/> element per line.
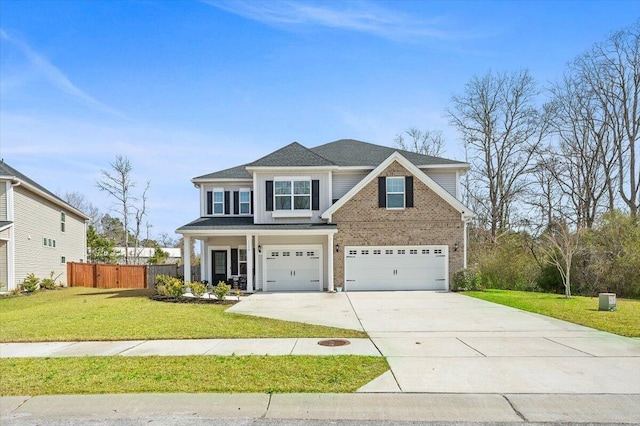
<point x="263" y="216"/>
<point x="446" y="179"/>
<point x="227" y="186"/>
<point x="37" y="218"/>
<point x="343" y="182"/>
<point x="3" y="200"/>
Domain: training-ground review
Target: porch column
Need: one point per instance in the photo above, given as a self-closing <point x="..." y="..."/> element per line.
<point x="330" y="288"/>
<point x="249" y="263"/>
<point x="187" y="259"/>
<point x="464" y="254"/>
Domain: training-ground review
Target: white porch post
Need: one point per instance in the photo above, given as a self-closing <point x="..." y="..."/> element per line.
<point x="187" y="259"/>
<point x="249" y="263"/>
<point x="330" y="288"/>
<point x="464" y="255"/>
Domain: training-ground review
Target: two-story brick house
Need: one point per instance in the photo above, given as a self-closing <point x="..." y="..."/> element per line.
<point x="39" y="232"/>
<point x="348" y="213"/>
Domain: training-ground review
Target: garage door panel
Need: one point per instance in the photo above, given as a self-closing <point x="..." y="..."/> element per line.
<point x="293" y="268"/>
<point x="396" y="268"/>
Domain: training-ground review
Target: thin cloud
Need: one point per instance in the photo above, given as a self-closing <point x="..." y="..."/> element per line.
<point x="352" y="16"/>
<point x="57" y="77"/>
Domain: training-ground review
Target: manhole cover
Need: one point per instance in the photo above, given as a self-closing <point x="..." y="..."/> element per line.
<point x="334" y="342"/>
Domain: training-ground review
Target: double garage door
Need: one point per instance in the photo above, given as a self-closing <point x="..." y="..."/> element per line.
<point x="292" y="268"/>
<point x="396" y="268"/>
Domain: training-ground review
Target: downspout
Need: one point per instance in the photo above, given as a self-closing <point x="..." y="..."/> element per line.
<point x="11" y="246"/>
<point x="464" y="253"/>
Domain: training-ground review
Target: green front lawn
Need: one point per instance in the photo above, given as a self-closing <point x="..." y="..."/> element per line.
<point x="192" y="374"/>
<point x="98" y="314"/>
<point x="579" y="309"/>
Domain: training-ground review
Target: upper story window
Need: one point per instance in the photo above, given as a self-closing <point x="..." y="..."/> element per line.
<point x="292" y="194"/>
<point x="63" y="221"/>
<point x="395" y="192"/>
<point x="245" y="202"/>
<point x="215" y="202"/>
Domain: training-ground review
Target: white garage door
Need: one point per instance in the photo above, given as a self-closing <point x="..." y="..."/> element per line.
<point x="396" y="268"/>
<point x="292" y="268"/>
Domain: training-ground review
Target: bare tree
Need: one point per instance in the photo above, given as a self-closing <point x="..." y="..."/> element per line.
<point x="611" y="70"/>
<point x="119" y="185"/>
<point x="140" y="213"/>
<point x="583" y="158"/>
<point x="563" y="244"/>
<point x="427" y="142"/>
<point x="501" y="129"/>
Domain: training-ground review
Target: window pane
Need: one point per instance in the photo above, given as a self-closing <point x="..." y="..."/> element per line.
<point x="302" y="202"/>
<point x="283" y="203"/>
<point x="217" y="208"/>
<point x="282" y="187"/>
<point x="395" y="184"/>
<point x="242" y="255"/>
<point x="395" y="200"/>
<point x="302" y="187"/>
<point x="245" y="208"/>
<point x="245" y="197"/>
<point x="218" y="197"/>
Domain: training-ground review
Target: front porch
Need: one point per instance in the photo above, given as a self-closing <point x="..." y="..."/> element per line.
<point x="269" y="257"/>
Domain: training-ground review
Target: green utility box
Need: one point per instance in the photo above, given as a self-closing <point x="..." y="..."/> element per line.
<point x="607" y="302"/>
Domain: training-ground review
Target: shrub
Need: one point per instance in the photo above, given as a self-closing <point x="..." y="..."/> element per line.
<point x="198" y="289"/>
<point x="49" y="283"/>
<point x="30" y="284"/>
<point x="169" y="286"/>
<point x="221" y="290"/>
<point x="467" y="280"/>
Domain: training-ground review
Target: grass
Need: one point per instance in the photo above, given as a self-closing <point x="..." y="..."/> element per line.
<point x="581" y="310"/>
<point x="80" y="314"/>
<point x="193" y="374"/>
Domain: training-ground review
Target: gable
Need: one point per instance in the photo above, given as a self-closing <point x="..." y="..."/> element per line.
<point x="398" y="165"/>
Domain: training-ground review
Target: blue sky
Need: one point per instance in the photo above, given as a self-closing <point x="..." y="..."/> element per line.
<point x="185" y="88"/>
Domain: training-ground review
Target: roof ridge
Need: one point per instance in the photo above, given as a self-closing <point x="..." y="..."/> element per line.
<point x="292" y="145"/>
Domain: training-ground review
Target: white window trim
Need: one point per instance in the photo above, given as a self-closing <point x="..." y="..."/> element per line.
<point x="63" y="222"/>
<point x="213" y="201"/>
<point x="404" y="193"/>
<point x="240" y="261"/>
<point x="240" y="203"/>
<point x="292" y="212"/>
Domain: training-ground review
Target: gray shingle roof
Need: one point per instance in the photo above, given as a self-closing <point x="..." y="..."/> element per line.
<point x="4" y="223"/>
<point x="243" y="223"/>
<point x="292" y="155"/>
<point x="9" y="172"/>
<point x="343" y="152"/>
<point x="350" y="152"/>
<point x="238" y="172"/>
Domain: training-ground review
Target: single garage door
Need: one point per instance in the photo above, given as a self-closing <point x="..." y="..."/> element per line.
<point x="396" y="268"/>
<point x="292" y="268"/>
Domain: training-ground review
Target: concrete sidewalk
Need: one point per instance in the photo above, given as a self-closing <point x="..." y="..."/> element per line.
<point x="294" y="346"/>
<point x="169" y="408"/>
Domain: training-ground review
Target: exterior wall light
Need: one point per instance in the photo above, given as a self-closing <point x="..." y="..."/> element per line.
<point x="337" y="248"/>
<point x="259" y="249"/>
<point x="455" y="247"/>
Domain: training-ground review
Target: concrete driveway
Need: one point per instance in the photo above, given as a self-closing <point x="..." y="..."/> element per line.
<point x="449" y="343"/>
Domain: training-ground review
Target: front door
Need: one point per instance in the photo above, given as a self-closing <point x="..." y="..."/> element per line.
<point x="218" y="266"/>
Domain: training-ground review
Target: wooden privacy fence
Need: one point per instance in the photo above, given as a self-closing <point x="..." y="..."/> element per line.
<point x="122" y="276"/>
<point x="106" y="276"/>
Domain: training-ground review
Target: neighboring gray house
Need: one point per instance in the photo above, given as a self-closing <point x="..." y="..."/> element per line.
<point x="350" y="213"/>
<point x="39" y="232"/>
<point x="143" y="254"/>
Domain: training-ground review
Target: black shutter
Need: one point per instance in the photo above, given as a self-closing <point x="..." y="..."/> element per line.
<point x="251" y="202"/>
<point x="408" y="191"/>
<point x="382" y="191"/>
<point x="209" y="202"/>
<point x="315" y="195"/>
<point x="236" y="202"/>
<point x="227" y="202"/>
<point x="269" y="195"/>
<point x="234" y="261"/>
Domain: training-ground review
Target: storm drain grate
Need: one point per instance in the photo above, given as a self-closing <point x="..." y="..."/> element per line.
<point x="334" y="342"/>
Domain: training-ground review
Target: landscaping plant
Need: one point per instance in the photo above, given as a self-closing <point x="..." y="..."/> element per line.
<point x="30" y="284"/>
<point x="221" y="290"/>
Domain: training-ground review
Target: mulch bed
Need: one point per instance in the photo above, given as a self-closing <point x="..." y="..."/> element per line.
<point x="196" y="300"/>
